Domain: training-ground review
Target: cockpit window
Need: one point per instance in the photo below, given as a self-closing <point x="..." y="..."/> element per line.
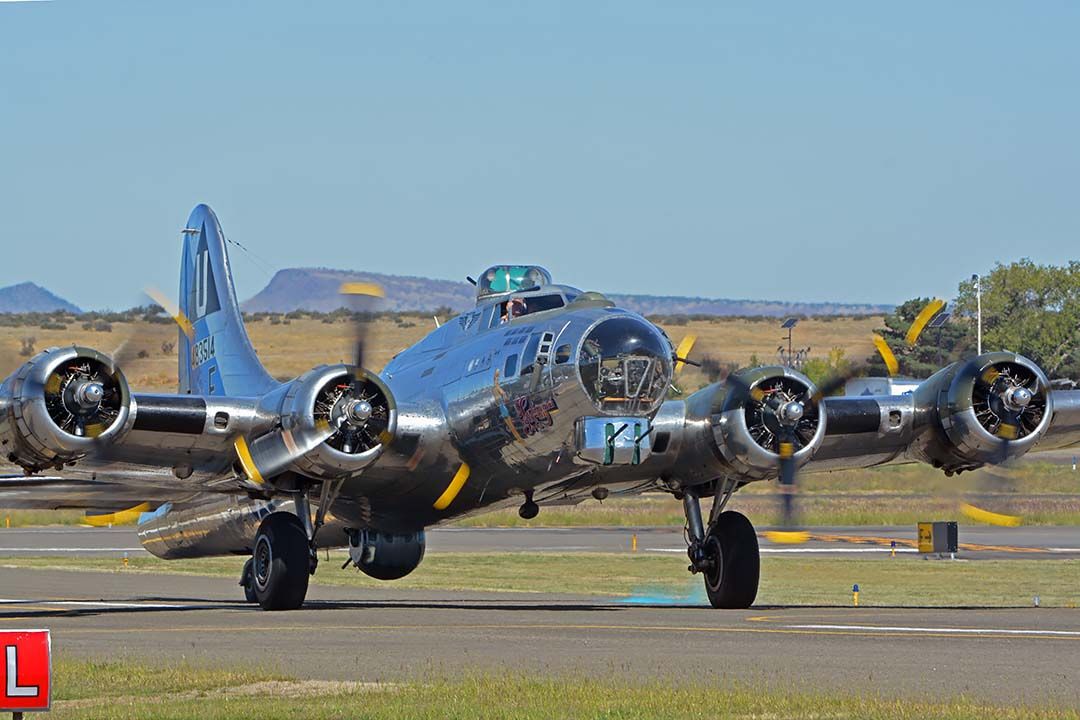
<point x="625" y="366"/>
<point x="519" y="305"/>
<point x="540" y="303"/>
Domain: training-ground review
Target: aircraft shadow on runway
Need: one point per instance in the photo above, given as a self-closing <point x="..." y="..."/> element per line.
<point x="201" y="604"/>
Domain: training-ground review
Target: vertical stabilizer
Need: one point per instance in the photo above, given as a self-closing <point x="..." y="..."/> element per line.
<point x="219" y="358"/>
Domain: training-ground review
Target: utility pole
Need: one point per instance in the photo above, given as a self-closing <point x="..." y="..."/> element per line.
<point x="978" y="313"/>
<point x="788" y="325"/>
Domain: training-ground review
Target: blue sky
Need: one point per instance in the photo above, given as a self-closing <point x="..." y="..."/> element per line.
<point x="866" y="152"/>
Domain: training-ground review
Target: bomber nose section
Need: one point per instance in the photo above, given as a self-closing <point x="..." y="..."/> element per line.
<point x="625" y="366"/>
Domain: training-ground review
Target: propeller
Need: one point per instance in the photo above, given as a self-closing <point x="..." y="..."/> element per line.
<point x="783" y="412"/>
<point x="348" y="412"/>
<point x="1008" y="403"/>
<point x="360" y="298"/>
<point x="141" y="338"/>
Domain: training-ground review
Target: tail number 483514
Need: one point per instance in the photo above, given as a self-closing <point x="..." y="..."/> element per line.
<point x="202" y="351"/>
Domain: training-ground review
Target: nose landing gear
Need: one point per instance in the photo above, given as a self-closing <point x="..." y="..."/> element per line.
<point x="725" y="553"/>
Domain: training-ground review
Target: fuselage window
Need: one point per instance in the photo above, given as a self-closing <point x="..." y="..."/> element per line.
<point x="562" y="354"/>
<point x="540" y="303"/>
<point x="510" y="367"/>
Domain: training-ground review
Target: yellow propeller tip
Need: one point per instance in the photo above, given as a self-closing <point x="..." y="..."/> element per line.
<point x="923" y="319"/>
<point x="360" y="288"/>
<point x="788" y="537"/>
<point x="121" y="517"/>
<point x="886" y="353"/>
<point x="990" y="518"/>
<point x="683" y="352"/>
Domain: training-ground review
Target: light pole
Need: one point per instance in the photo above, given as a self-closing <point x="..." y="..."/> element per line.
<point x="978" y="313"/>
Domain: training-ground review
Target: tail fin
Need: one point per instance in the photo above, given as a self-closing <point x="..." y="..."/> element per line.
<point x="219" y="358"/>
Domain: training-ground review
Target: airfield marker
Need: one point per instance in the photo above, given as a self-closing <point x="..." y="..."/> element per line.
<point x="855" y="594"/>
<point x="633" y="543"/>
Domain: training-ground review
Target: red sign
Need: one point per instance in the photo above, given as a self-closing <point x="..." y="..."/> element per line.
<point x="25" y="670"/>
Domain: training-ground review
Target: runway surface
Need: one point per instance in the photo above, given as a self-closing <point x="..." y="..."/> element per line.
<point x="976" y="541"/>
<point x="1000" y="655"/>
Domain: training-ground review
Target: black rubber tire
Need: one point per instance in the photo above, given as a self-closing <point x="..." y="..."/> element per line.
<point x="246" y="582"/>
<point x="281" y="563"/>
<point x="733" y="582"/>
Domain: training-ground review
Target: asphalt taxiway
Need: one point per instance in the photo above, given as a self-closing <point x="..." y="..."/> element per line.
<point x="997" y="655"/>
<point x="976" y="541"/>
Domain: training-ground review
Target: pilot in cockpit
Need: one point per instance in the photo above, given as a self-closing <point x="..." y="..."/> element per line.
<point x="512" y="308"/>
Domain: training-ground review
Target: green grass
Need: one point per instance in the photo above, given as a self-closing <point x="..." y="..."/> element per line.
<point x="901" y="581"/>
<point x="815" y="510"/>
<point x="33" y="518"/>
<point x="118" y="690"/>
<point x="1042" y="493"/>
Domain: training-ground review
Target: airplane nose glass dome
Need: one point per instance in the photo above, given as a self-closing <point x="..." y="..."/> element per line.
<point x="625" y="366"/>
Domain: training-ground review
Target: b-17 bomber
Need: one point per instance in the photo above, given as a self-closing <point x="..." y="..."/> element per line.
<point x="541" y="394"/>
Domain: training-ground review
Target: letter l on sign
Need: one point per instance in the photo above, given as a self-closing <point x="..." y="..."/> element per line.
<point x="25" y="670"/>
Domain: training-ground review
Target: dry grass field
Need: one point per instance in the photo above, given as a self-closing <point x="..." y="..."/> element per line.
<point x="289" y="349"/>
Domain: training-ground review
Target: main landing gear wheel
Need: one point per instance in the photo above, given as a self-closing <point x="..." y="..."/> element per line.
<point x="734" y="562"/>
<point x="281" y="562"/>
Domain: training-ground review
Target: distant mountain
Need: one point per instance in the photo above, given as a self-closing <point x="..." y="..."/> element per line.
<point x="27" y="297"/>
<point x="317" y="289"/>
<point x="676" y="305"/>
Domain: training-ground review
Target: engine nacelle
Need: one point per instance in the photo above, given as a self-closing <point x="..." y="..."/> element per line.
<point x="993" y="408"/>
<point x="336" y="420"/>
<point x="747" y="413"/>
<point x="386" y="556"/>
<point x="62" y="405"/>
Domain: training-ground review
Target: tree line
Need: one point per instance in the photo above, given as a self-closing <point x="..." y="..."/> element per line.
<point x="1027" y="308"/>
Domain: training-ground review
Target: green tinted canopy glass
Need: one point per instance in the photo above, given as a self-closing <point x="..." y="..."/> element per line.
<point x="502" y="279"/>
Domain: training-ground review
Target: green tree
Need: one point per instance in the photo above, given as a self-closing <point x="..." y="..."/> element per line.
<point x="934" y="348"/>
<point x="821" y="370"/>
<point x="1030" y="309"/>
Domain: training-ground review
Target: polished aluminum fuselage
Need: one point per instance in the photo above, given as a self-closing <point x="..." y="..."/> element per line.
<point x="470" y="394"/>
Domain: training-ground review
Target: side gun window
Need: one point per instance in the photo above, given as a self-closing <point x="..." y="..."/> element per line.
<point x="510" y="367"/>
<point x="529" y="355"/>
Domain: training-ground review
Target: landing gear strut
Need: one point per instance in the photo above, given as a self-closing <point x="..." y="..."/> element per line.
<point x="725" y="553"/>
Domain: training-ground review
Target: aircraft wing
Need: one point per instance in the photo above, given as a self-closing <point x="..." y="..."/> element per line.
<point x="49" y="492"/>
<point x="867" y="431"/>
<point x="770" y="422"/>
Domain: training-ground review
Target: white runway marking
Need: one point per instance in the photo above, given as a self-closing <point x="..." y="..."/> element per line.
<point x="70" y="549"/>
<point x="804" y="550"/>
<point x="89" y="603"/>
<point x="936" y="630"/>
